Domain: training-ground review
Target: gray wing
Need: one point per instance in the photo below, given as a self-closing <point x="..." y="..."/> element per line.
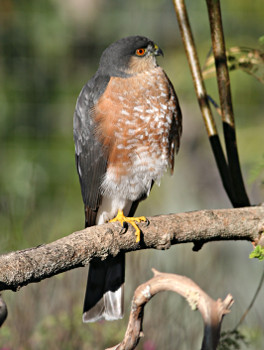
<point x="176" y="127"/>
<point x="103" y="298"/>
<point x="91" y="159"/>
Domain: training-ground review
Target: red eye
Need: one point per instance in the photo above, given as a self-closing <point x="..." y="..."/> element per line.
<point x="140" y="52"/>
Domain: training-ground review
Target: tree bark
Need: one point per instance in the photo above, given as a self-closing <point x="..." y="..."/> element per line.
<point x="79" y="248"/>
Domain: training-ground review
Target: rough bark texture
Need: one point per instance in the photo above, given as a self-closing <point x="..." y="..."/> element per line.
<point x="77" y="249"/>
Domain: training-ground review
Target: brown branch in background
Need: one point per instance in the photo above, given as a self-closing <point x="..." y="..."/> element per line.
<point x="218" y="43"/>
<point x="212" y="311"/>
<point x="192" y="56"/>
<point x="78" y="249"/>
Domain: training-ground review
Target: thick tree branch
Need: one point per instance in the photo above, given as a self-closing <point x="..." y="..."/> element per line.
<point x="212" y="311"/>
<point x="77" y="249"/>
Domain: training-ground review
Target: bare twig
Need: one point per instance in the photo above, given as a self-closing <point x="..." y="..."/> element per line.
<point x="191" y="53"/>
<point x="218" y="43"/>
<point x="212" y="311"/>
<point x="251" y="303"/>
<point x="33" y="265"/>
<point x="247" y="59"/>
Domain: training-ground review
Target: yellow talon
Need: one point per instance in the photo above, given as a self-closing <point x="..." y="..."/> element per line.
<point x="130" y="220"/>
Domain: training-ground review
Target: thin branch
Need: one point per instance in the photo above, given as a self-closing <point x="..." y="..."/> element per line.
<point x="212" y="311"/>
<point x="246" y="59"/>
<point x="192" y="56"/>
<point x="251" y="303"/>
<point x="218" y="43"/>
<point x="78" y="249"/>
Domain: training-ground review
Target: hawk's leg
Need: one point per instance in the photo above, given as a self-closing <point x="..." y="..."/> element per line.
<point x="130" y="220"/>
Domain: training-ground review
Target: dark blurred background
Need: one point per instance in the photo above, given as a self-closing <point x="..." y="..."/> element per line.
<point x="48" y="50"/>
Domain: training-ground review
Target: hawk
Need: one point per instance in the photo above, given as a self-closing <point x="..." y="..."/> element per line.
<point x="127" y="128"/>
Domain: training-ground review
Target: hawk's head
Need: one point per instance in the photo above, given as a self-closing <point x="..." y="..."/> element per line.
<point x="129" y="56"/>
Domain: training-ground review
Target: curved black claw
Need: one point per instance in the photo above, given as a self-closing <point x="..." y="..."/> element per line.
<point x="125" y="228"/>
<point x="147" y="222"/>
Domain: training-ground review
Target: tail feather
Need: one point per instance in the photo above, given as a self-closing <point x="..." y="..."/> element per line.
<point x="104" y="297"/>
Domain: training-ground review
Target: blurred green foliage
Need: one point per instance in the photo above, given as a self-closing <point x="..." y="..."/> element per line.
<point x="48" y="50"/>
<point x="231" y="340"/>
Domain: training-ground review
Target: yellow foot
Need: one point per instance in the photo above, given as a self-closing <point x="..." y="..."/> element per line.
<point x="130" y="220"/>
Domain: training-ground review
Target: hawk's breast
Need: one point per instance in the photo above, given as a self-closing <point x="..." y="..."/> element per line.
<point x="134" y="120"/>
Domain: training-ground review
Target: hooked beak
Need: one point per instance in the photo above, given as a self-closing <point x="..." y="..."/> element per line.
<point x="158" y="51"/>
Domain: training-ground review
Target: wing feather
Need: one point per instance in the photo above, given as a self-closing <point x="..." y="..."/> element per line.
<point x="91" y="158"/>
<point x="176" y="126"/>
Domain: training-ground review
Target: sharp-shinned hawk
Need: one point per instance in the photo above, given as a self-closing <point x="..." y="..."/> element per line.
<point x="127" y="128"/>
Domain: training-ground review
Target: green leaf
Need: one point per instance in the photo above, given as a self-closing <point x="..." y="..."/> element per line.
<point x="257" y="253"/>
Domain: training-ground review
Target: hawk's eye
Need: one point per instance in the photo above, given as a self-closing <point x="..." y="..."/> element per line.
<point x="141" y="52"/>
